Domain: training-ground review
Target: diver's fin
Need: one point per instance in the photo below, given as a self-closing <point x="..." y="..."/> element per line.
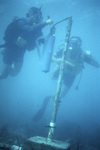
<point x="39" y="114"/>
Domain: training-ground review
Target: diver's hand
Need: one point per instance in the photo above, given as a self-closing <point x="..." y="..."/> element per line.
<point x="57" y="60"/>
<point x="49" y="21"/>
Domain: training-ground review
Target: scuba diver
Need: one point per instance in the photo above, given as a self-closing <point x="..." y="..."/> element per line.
<point x="74" y="64"/>
<point x="21" y="35"/>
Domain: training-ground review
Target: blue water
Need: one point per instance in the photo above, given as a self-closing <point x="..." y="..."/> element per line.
<point x="22" y="96"/>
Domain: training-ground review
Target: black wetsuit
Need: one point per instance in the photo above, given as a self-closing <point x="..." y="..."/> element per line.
<point x="30" y="33"/>
<point x="75" y="65"/>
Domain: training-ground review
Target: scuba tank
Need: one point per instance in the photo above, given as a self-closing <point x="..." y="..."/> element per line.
<point x="48" y="48"/>
<point x="48" y="51"/>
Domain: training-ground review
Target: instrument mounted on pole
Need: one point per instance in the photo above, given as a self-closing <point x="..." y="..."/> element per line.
<point x="48" y="48"/>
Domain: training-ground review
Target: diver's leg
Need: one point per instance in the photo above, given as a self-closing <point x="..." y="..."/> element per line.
<point x="15" y="69"/>
<point x="5" y="71"/>
<point x="7" y="61"/>
<point x="2" y="51"/>
<point x="17" y="62"/>
<point x="67" y="83"/>
<point x="55" y="73"/>
<point x="64" y="91"/>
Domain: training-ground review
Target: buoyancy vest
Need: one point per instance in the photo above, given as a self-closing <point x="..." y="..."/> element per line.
<point x="74" y="64"/>
<point x="12" y="31"/>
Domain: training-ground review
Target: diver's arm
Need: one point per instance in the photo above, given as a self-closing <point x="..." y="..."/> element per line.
<point x="41" y="25"/>
<point x="57" y="60"/>
<point x="90" y="60"/>
<point x="25" y="27"/>
<point x="57" y="57"/>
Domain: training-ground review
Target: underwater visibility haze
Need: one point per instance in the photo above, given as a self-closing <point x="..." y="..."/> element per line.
<point x="21" y="97"/>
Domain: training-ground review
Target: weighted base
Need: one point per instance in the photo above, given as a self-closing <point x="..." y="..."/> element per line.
<point x="41" y="143"/>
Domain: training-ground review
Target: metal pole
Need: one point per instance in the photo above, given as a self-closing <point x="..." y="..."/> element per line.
<point x="58" y="90"/>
